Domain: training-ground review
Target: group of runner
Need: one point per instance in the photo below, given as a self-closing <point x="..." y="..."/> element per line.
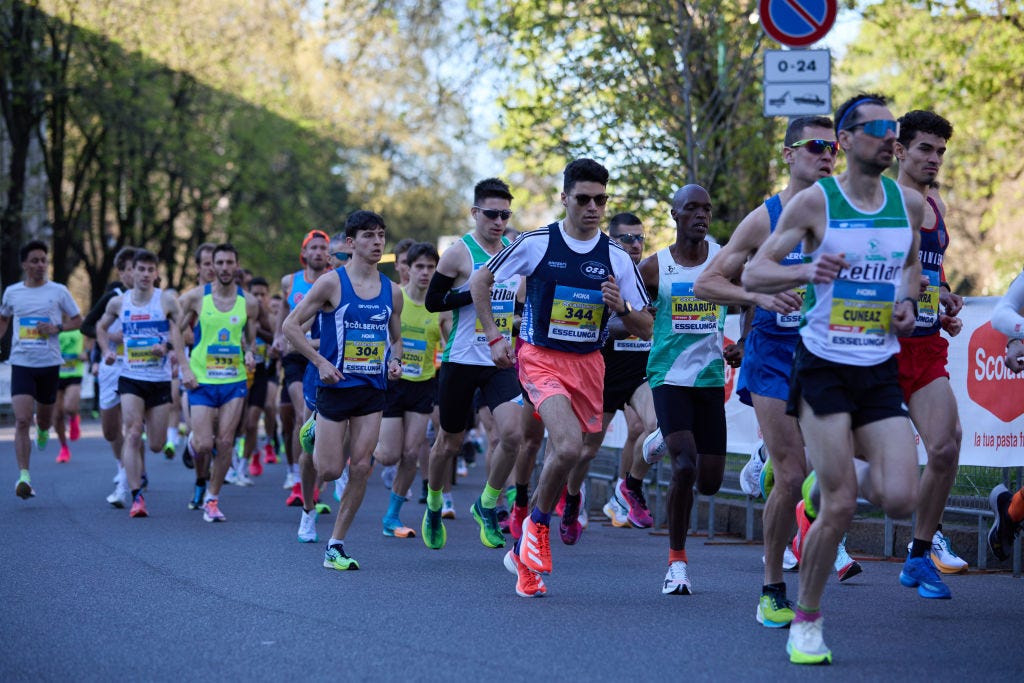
<point x="554" y="332"/>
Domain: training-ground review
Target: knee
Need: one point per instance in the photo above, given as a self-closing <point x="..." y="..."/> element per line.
<point x="202" y="444"/>
<point x="684" y="473"/>
<point x="942" y="459"/>
<point x="838" y="508"/>
<point x="23" y="422"/>
<point x="359" y="471"/>
<point x="900" y="504"/>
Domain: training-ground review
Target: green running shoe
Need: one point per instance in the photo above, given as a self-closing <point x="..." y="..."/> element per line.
<point x="808" y="489"/>
<point x="767" y="479"/>
<point x="774" y="610"/>
<point x="323" y="509"/>
<point x="307" y="434"/>
<point x="335" y="558"/>
<point x="487" y="518"/>
<point x="42" y="438"/>
<point x="434" y="534"/>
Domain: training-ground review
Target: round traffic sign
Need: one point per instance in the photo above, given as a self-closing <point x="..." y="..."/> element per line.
<point x="797" y="23"/>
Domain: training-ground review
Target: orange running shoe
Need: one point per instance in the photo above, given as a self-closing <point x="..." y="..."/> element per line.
<point x="803" y="525"/>
<point x="528" y="584"/>
<point x="535" y="548"/>
<point x="295" y="497"/>
<point x="138" y="507"/>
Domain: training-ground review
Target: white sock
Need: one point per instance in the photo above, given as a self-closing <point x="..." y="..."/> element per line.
<point x="336" y="541"/>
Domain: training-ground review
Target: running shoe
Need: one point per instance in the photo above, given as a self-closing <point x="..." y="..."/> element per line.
<point x="750" y="475"/>
<point x="569" y="527"/>
<point x="64" y="455"/>
<point x="241" y="478"/>
<point x="487" y="519"/>
<point x="24" y="489"/>
<point x="806" y="644"/>
<point x="639" y="515"/>
<point x="774" y="610"/>
<point x="269" y="456"/>
<point x="803" y="525"/>
<point x="121" y="496"/>
<point x="335" y="558"/>
<point x="616" y="512"/>
<point x="448" y="508"/>
<point x="809" y="491"/>
<point x="677" y="580"/>
<point x="169" y="450"/>
<point x="339" y="485"/>
<point x="295" y="497"/>
<point x="322" y="508"/>
<point x="138" y="507"/>
<point x="212" y="513"/>
<point x="42" y="438"/>
<point x="394" y="528"/>
<point x="528" y="584"/>
<point x="255" y="466"/>
<point x="767" y="478"/>
<point x="789" y="561"/>
<point x="144" y="481"/>
<point x="388" y="474"/>
<point x="432" y="528"/>
<point x="197" y="498"/>
<point x="519" y="515"/>
<point x="560" y="505"/>
<point x="307" y="527"/>
<point x="290" y="479"/>
<point x="920" y="572"/>
<point x="846" y="567"/>
<point x="943" y="557"/>
<point x="1003" y="529"/>
<point x="535" y="547"/>
<point x="75" y="427"/>
<point x="188" y="456"/>
<point x="461" y="469"/>
<point x="307" y="434"/>
<point x="654" y="447"/>
<point x="503" y="519"/>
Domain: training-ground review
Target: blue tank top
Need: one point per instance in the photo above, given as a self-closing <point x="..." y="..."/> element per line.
<point x="564" y="309"/>
<point x="768" y="322"/>
<point x="934" y="241"/>
<point x="299" y="289"/>
<point x="357" y="343"/>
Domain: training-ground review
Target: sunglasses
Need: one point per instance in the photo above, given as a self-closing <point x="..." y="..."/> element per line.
<point x="340" y="256"/>
<point x="584" y="199"/>
<point x="818" y="146"/>
<point x="491" y="214"/>
<point x="627" y="238"/>
<point x="878" y="128"/>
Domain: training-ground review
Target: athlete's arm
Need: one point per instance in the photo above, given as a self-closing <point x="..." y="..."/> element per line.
<point x="803" y="219"/>
<point x="252" y="316"/>
<point x="92" y="317"/>
<point x="480" y="285"/>
<point x="323" y="295"/>
<point x="452" y="267"/>
<point x="904" y="313"/>
<point x="72" y="315"/>
<point x="187" y="308"/>
<point x="279" y="336"/>
<point x="173" y="314"/>
<point x="444" y="322"/>
<point x="108" y="318"/>
<point x="1007" y="318"/>
<point x="4" y="322"/>
<point x="395" y="332"/>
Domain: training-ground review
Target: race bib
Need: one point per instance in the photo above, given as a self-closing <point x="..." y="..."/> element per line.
<point x="791" y="319"/>
<point x="414" y="355"/>
<point x="259" y="351"/>
<point x="139" y="351"/>
<point x="576" y="314"/>
<point x="861" y="313"/>
<point x="223" y="361"/>
<point x="70" y="363"/>
<point x="29" y="335"/>
<point x="503" y="308"/>
<point x="363" y="355"/>
<point x="631" y="344"/>
<point x="928" y="301"/>
<point x="691" y="315"/>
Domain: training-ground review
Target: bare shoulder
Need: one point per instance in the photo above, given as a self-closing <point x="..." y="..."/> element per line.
<point x="455" y="261"/>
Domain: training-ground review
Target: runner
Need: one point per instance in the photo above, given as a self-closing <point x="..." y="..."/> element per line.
<point x="574" y="275"/>
<point x="41" y="309"/>
<point x="411" y="399"/>
<point x="862" y="273"/>
<point x="466" y="365"/>
<point x="149" y="325"/>
<point x="203" y="257"/>
<point x="358" y="353"/>
<point x="69" y="390"/>
<point x="224" y="318"/>
<point x="259" y="397"/>
<point x="920" y="149"/>
<point x="686" y="372"/>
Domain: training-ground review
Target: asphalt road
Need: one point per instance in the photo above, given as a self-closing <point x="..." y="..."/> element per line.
<point x="90" y="594"/>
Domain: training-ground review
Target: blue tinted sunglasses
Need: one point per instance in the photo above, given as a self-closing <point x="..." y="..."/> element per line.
<point x="878" y="128"/>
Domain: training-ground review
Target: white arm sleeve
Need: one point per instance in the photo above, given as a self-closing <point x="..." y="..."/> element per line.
<point x="1006" y="316"/>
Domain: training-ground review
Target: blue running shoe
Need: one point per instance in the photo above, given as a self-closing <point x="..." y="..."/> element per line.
<point x="920" y="572"/>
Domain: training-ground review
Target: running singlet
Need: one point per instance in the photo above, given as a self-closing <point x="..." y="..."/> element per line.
<point x="144" y="326"/>
<point x="299" y="289"/>
<point x="688" y="332"/>
<point x="72" y="343"/>
<point x="467" y="343"/>
<point x="565" y="309"/>
<point x="847" y="321"/>
<point x="784" y="325"/>
<point x="357" y="342"/>
<point x="217" y="356"/>
<point x="934" y="241"/>
<point x="420" y="337"/>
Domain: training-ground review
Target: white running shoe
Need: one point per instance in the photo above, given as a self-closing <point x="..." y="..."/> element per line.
<point x="290" y="480"/>
<point x="750" y="475"/>
<point x="340" y="483"/>
<point x="388" y="474"/>
<point x="614" y="511"/>
<point x="307" y="527"/>
<point x="677" y="580"/>
<point x="448" y="507"/>
<point x="943" y="557"/>
<point x="789" y="561"/>
<point x="121" y="497"/>
<point x="241" y="478"/>
<point x="846" y="567"/>
<point x="231" y="477"/>
<point x="654" y="447"/>
<point x="461" y="469"/>
<point x="806" y="644"/>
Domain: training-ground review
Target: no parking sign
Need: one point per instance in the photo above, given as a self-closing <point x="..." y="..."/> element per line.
<point x="797" y="23"/>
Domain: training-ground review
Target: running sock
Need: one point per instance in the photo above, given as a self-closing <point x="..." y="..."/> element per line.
<point x="395" y="505"/>
<point x="489" y="498"/>
<point x="172" y="432"/>
<point x="522" y="495"/>
<point x="802" y="613"/>
<point x="573" y="501"/>
<point x="336" y="541"/>
<point x="677" y="555"/>
<point x="135" y="493"/>
<point x="294" y="468"/>
<point x="201" y="482"/>
<point x="207" y="497"/>
<point x="434" y="500"/>
<point x="774" y="588"/>
<point x="539" y="517"/>
<point x="919" y="547"/>
<point x="634" y="484"/>
<point x="24" y="476"/>
<point x="1016" y="510"/>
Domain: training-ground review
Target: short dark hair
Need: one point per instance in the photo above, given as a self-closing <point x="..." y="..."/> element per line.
<point x="124" y="257"/>
<point x="34" y="245"/>
<point x="226" y="246"/>
<point x="583" y="170"/>
<point x="491" y="187"/>
<point x="795" y="129"/>
<point x="623" y="219"/>
<point x="403" y="246"/>
<point x="420" y="249"/>
<point x="258" y="281"/>
<point x="362" y="220"/>
<point x="846" y="115"/>
<point x="198" y="253"/>
<point x="145" y="256"/>
<point x="921" y="121"/>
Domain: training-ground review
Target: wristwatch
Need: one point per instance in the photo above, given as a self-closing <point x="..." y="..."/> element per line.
<point x="626" y="311"/>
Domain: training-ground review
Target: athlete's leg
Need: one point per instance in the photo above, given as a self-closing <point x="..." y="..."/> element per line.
<point x="506" y="428"/>
<point x="641" y="404"/>
<point x="298" y="406"/>
<point x="934" y="412"/>
<point x="23" y="406"/>
<point x="634" y="429"/>
<point x="203" y="420"/>
<point x="365" y="431"/>
<point x="59" y="421"/>
<point x="565" y="442"/>
<point x="227" y="418"/>
<point x="415" y="435"/>
<point x="133" y="410"/>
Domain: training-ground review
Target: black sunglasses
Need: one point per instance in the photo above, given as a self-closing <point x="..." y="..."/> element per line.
<point x="818" y="146"/>
<point x="491" y="214"/>
<point x="584" y="199"/>
<point x="627" y="238"/>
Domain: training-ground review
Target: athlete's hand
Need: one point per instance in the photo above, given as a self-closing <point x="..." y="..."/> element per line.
<point x="826" y="268"/>
<point x="953" y="303"/>
<point x="279" y="344"/>
<point x="329" y="374"/>
<point x="188" y="379"/>
<point x="48" y="329"/>
<point x="951" y="324"/>
<point x="924" y="284"/>
<point x="1015" y="355"/>
<point x="733" y="354"/>
<point x="611" y="294"/>
<point x="903" y="318"/>
<point x="394" y="369"/>
<point x="109" y="357"/>
<point x="250" y="361"/>
<point x="501" y="354"/>
<point x="160" y="350"/>
<point x="783" y="302"/>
